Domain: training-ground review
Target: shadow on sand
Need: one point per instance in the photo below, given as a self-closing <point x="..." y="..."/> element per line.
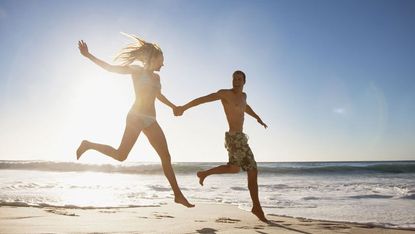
<point x="274" y="224"/>
<point x="207" y="231"/>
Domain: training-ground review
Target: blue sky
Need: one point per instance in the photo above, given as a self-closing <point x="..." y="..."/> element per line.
<point x="334" y="80"/>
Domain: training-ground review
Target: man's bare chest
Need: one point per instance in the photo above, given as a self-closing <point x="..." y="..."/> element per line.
<point x="235" y="102"/>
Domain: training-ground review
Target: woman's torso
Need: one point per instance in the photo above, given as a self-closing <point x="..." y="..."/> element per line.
<point x="146" y="88"/>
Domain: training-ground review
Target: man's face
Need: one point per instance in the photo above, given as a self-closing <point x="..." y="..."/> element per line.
<point x="238" y="80"/>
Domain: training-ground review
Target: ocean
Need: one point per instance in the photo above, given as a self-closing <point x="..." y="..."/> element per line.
<point x="382" y="193"/>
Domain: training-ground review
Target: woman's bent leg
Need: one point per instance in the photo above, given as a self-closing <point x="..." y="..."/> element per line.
<point x="157" y="139"/>
<point x="128" y="140"/>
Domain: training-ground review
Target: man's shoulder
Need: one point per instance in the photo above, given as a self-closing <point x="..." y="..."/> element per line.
<point x="224" y="91"/>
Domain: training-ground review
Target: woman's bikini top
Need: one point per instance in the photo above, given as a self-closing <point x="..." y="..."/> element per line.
<point x="147" y="80"/>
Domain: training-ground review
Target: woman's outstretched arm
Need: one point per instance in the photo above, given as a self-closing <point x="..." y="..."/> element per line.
<point x="83" y="48"/>
<point x="166" y="101"/>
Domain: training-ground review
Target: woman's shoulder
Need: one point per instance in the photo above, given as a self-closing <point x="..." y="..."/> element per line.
<point x="136" y="69"/>
<point x="147" y="77"/>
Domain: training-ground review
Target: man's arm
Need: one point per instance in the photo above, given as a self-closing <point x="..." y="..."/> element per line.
<point x="252" y="113"/>
<point x="83" y="48"/>
<point x="195" y="102"/>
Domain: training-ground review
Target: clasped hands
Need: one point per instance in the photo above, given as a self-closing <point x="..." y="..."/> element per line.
<point x="178" y="110"/>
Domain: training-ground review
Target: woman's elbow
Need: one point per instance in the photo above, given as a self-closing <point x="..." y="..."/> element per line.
<point x="160" y="96"/>
<point x="114" y="69"/>
<point x="108" y="68"/>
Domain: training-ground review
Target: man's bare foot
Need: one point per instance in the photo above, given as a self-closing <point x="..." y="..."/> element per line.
<point x="182" y="200"/>
<point x="260" y="214"/>
<point x="201" y="177"/>
<point x="81" y="149"/>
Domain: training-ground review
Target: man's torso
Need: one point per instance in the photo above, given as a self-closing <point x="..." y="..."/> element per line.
<point x="234" y="104"/>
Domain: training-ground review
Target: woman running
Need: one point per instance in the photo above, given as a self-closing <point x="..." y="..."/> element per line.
<point x="142" y="115"/>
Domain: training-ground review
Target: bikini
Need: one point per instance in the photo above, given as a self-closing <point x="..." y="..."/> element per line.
<point x="136" y="119"/>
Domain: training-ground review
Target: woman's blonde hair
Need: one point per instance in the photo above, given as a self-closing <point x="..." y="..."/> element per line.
<point x="139" y="50"/>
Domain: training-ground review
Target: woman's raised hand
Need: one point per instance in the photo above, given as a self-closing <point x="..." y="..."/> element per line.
<point x="83" y="48"/>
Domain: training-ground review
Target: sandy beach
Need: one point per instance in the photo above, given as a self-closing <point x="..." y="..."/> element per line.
<point x="170" y="218"/>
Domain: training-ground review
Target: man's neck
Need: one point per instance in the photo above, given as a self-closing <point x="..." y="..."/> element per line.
<point x="237" y="90"/>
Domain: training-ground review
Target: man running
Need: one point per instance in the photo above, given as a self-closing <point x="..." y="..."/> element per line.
<point x="236" y="142"/>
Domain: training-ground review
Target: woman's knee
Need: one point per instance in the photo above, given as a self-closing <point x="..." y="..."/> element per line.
<point x="122" y="155"/>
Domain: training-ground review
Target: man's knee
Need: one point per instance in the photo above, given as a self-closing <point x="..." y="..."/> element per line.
<point x="233" y="168"/>
<point x="252" y="177"/>
<point x="252" y="173"/>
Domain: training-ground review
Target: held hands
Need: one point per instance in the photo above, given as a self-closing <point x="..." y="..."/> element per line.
<point x="83" y="48"/>
<point x="178" y="110"/>
<point x="262" y="123"/>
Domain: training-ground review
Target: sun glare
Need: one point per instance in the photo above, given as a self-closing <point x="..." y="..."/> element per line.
<point x="96" y="109"/>
<point x="85" y="194"/>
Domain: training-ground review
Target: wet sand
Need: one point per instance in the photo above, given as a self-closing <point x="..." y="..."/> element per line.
<point x="170" y="218"/>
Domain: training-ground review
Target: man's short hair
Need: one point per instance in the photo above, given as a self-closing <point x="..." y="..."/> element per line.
<point x="238" y="72"/>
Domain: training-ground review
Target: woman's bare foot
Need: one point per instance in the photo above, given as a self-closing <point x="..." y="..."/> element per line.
<point x="182" y="200"/>
<point x="260" y="214"/>
<point x="81" y="149"/>
<point x="201" y="177"/>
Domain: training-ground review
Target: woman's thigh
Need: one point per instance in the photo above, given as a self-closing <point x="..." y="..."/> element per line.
<point x="157" y="139"/>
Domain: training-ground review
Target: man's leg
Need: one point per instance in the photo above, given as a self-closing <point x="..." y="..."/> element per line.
<point x="253" y="191"/>
<point x="223" y="169"/>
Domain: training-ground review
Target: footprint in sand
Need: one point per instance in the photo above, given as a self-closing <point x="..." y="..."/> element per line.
<point x="200" y="221"/>
<point x="248" y="227"/>
<point x="366" y="225"/>
<point x="227" y="220"/>
<point x="207" y="231"/>
<point x="60" y="212"/>
<point x="332" y="226"/>
<point x="107" y="211"/>
<point x="22" y="217"/>
<point x="164" y="215"/>
<point x="278" y="221"/>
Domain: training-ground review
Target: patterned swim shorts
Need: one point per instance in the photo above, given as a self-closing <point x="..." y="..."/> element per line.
<point x="238" y="151"/>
